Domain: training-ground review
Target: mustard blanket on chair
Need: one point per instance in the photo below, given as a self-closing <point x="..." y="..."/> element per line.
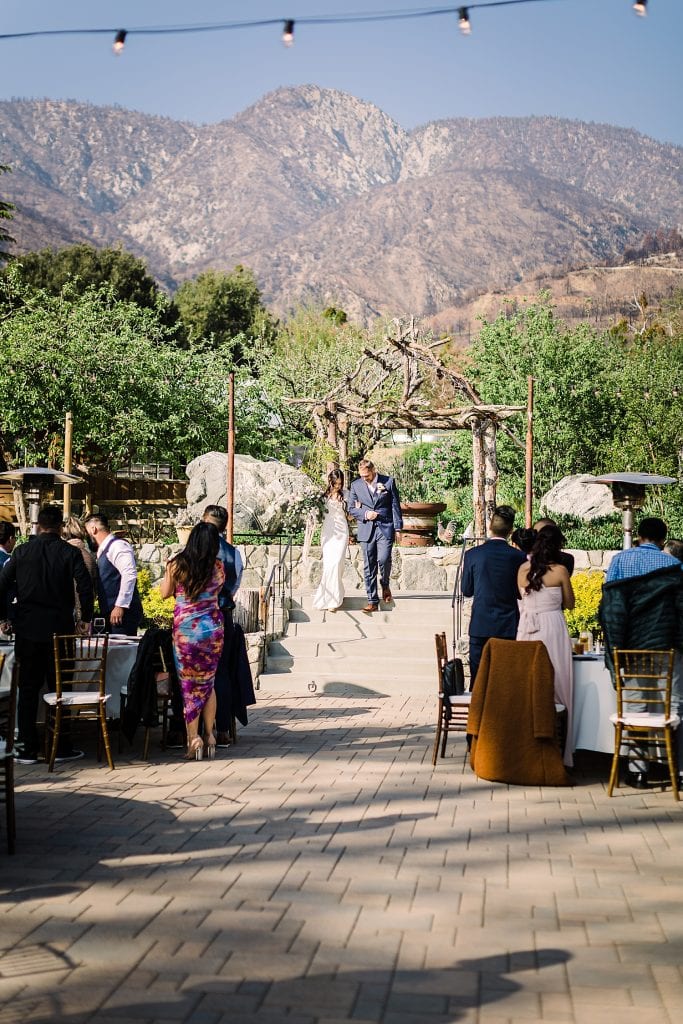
<point x="512" y="717"/>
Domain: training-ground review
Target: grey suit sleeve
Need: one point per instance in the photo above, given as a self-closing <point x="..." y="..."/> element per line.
<point x="357" y="513"/>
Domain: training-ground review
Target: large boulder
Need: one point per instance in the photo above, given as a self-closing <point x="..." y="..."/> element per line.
<point x="574" y="496"/>
<point x="263" y="490"/>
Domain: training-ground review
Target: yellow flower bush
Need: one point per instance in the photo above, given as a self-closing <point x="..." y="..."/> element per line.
<point x="156" y="609"/>
<point x="588" y="591"/>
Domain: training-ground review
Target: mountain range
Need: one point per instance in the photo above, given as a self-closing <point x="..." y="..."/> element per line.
<point x="330" y="201"/>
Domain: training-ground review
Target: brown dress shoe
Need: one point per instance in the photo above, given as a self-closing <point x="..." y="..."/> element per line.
<point x="371" y="608"/>
<point x="386" y="596"/>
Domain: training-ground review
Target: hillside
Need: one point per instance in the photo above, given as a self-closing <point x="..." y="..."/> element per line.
<point x="329" y="200"/>
<point x="601" y="295"/>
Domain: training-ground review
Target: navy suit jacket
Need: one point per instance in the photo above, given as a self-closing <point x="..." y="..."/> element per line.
<point x="386" y="503"/>
<point x="490" y="576"/>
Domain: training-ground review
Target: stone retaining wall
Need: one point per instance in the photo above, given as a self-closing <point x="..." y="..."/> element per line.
<point x="422" y="569"/>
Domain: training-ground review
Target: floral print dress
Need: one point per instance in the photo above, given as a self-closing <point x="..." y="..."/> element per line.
<point x="198" y="642"/>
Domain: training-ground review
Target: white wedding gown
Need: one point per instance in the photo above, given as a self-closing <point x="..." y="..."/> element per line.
<point x="334" y="537"/>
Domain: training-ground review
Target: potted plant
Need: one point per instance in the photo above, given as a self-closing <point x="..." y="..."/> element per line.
<point x="184" y="522"/>
<point x="415" y="487"/>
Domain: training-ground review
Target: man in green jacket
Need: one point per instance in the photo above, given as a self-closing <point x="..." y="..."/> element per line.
<point x="642" y="609"/>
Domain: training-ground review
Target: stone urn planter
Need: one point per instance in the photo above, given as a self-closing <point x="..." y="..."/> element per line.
<point x="419" y="523"/>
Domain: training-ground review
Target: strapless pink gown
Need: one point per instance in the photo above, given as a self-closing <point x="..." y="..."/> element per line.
<point x="541" y="618"/>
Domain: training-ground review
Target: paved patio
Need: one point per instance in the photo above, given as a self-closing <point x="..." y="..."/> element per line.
<point x="321" y="873"/>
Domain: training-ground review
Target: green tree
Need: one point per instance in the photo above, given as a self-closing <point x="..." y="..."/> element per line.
<point x="6" y="213"/>
<point x="225" y="309"/>
<point x="575" y="400"/>
<point x="81" y="267"/>
<point x="133" y="395"/>
<point x="309" y="354"/>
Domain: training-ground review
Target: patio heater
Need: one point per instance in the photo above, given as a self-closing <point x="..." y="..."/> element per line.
<point x="35" y="482"/>
<point x="628" y="494"/>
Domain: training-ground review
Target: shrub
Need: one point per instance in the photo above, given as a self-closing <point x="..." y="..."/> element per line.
<point x="588" y="591"/>
<point x="157" y="610"/>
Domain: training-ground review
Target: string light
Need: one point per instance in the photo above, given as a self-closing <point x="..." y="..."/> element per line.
<point x="119" y="42"/>
<point x="640" y="7"/>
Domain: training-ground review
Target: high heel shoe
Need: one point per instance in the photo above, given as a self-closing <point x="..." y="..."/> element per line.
<point x="195" y="749"/>
<point x="210" y="747"/>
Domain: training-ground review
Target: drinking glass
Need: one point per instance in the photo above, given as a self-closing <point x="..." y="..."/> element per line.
<point x="98" y="626"/>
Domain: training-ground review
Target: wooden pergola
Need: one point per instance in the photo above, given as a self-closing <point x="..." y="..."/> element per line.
<point x="405" y="385"/>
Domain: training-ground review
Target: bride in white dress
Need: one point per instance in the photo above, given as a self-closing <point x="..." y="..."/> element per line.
<point x="546" y="589"/>
<point x="334" y="537"/>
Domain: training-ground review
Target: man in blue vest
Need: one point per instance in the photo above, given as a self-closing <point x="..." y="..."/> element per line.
<point x="117" y="588"/>
<point x="217" y="515"/>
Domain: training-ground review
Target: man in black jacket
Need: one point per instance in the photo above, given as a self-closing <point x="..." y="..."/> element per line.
<point x="42" y="574"/>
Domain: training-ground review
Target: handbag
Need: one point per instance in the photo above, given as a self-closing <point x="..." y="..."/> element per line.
<point x="453" y="678"/>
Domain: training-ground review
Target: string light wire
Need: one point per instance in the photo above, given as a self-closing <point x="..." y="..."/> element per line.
<point x="350" y="18"/>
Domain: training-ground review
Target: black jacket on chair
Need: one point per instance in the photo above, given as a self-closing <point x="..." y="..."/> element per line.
<point x="643" y="613"/>
<point x="141" y="703"/>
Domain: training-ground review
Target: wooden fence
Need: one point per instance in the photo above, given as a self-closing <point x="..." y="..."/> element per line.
<point x="110" y="492"/>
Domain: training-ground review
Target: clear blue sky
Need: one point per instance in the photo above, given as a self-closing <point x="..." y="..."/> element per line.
<point x="594" y="60"/>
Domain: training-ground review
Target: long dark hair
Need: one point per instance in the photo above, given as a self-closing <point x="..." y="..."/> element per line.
<point x="193" y="566"/>
<point x="544" y="553"/>
<point x="332" y="478"/>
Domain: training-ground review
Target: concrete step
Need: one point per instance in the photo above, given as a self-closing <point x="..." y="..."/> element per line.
<point x="341" y="684"/>
<point x="388" y="652"/>
<point x="355" y="667"/>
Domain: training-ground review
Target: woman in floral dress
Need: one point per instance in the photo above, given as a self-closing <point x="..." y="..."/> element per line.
<point x="195" y="576"/>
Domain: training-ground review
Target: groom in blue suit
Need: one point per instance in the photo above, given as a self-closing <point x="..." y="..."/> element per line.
<point x="374" y="502"/>
<point x="489" y="575"/>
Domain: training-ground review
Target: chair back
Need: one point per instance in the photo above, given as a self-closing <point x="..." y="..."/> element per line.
<point x="80" y="663"/>
<point x="643" y="681"/>
<point x="441" y="659"/>
<point x="8" y="710"/>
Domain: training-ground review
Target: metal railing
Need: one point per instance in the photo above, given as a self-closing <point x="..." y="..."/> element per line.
<point x="277" y="590"/>
<point x="458" y="598"/>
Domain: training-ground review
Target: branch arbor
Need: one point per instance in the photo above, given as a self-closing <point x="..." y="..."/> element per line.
<point x="404" y="384"/>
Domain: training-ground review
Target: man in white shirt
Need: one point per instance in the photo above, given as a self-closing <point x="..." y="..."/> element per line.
<point x="117" y="588"/>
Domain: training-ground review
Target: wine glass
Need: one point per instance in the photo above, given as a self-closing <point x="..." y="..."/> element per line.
<point x="98" y="626"/>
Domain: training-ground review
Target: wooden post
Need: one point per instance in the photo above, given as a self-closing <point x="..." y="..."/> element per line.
<point x="529" y="496"/>
<point x="230" y="493"/>
<point x="343" y="446"/>
<point x="490" y="468"/>
<point x="332" y="434"/>
<point x="68" y="451"/>
<point x="478" y="475"/>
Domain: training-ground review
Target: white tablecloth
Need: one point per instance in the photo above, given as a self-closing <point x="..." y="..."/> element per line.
<point x="594" y="701"/>
<point x="121" y="656"/>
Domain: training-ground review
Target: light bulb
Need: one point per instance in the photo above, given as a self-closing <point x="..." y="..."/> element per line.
<point x="288" y="33"/>
<point x="464" y="21"/>
<point x="119" y="42"/>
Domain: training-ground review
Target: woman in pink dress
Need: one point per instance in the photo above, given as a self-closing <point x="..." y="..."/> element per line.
<point x="195" y="576"/>
<point x="546" y="589"/>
